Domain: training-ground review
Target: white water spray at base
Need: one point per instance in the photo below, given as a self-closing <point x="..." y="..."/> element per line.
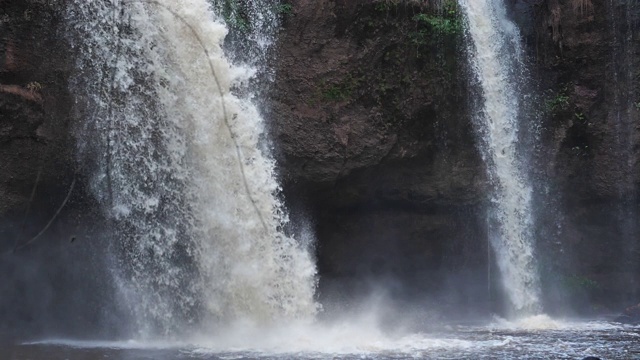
<point x="191" y="194"/>
<point x="495" y="56"/>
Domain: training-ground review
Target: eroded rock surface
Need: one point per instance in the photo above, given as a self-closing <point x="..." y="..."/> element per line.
<point x="630" y="315"/>
<point x="34" y="102"/>
<point x="370" y="116"/>
<point x="586" y="56"/>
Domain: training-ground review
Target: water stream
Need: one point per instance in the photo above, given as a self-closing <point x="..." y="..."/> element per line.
<point x="181" y="172"/>
<point x="496" y="59"/>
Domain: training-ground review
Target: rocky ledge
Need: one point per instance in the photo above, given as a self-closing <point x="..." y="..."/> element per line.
<point x="630" y="315"/>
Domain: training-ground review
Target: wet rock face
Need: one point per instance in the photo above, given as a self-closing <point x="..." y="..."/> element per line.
<point x="360" y="83"/>
<point x="631" y="315"/>
<point x="370" y="113"/>
<point x="34" y="103"/>
<point x="370" y="118"/>
<point x="42" y="290"/>
<point x="585" y="55"/>
<point x="586" y="50"/>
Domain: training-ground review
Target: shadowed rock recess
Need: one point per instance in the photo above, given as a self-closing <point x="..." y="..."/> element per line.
<point x="369" y="114"/>
<point x="44" y="278"/>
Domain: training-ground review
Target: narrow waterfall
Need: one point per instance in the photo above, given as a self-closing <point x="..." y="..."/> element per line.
<point x="496" y="59"/>
<point x="179" y="169"/>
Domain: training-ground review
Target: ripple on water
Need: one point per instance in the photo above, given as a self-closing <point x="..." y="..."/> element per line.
<point x="501" y="339"/>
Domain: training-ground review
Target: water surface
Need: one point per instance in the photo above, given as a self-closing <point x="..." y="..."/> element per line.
<point x="542" y="339"/>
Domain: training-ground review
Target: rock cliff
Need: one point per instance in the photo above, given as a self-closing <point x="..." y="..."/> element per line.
<point x="370" y="113"/>
<point x="36" y="141"/>
<point x="371" y="120"/>
<point x="586" y="60"/>
<point x="44" y="282"/>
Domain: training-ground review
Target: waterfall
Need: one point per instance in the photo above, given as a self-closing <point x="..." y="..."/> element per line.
<point x="496" y="60"/>
<point x="177" y="161"/>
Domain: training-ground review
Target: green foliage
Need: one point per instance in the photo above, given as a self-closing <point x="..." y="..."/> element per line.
<point x="440" y="24"/>
<point x="236" y="14"/>
<point x="336" y="93"/>
<point x="384" y="6"/>
<point x="342" y="91"/>
<point x="284" y="9"/>
<point x="558" y="102"/>
<point x="420" y="37"/>
<point x="238" y="23"/>
<point x="450" y="8"/>
<point x="233" y="14"/>
<point x="447" y="21"/>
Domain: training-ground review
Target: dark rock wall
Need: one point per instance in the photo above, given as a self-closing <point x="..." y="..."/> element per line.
<point x="586" y="59"/>
<point x="370" y="115"/>
<point x="55" y="283"/>
<point x="34" y="104"/>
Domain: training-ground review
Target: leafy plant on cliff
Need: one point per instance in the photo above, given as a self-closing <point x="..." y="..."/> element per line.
<point x="237" y="13"/>
<point x="341" y="91"/>
<point x="336" y="93"/>
<point x="440" y="24"/>
<point x="384" y="6"/>
<point x="233" y="14"/>
<point x="446" y="21"/>
<point x="559" y="101"/>
<point x="284" y="9"/>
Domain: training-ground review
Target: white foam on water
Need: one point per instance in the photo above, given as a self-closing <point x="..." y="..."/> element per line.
<point x="331" y="339"/>
<point x="536" y="322"/>
<point x="545" y="322"/>
<point x="538" y="337"/>
<point x="100" y="344"/>
<point x="307" y="340"/>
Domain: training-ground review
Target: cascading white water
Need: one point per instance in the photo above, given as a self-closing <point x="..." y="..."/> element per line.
<point x="496" y="59"/>
<point x="179" y="170"/>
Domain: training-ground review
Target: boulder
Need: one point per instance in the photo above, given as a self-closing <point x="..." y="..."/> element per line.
<point x="630" y="315"/>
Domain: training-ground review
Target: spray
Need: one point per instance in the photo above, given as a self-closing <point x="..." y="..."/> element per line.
<point x="191" y="194"/>
<point x="496" y="59"/>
